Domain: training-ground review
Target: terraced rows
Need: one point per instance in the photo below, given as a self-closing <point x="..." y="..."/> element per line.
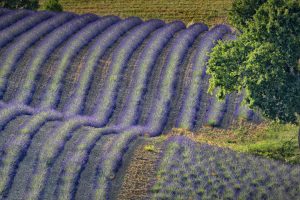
<point x="76" y="90"/>
<point x="189" y="170"/>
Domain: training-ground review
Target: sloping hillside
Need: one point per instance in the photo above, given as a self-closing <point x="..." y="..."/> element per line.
<point x="76" y="91"/>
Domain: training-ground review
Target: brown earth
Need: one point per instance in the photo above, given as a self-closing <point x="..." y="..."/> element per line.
<point x="141" y="171"/>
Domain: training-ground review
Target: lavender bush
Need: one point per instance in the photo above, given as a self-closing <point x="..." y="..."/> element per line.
<point x="189" y="170"/>
<point x="22" y="26"/>
<point x="146" y="62"/>
<point x="184" y="40"/>
<point x="73" y="46"/>
<point x="193" y="93"/>
<point x="121" y="56"/>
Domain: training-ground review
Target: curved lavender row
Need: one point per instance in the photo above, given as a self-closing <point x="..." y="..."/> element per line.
<point x="12" y="17"/>
<point x="11" y="111"/>
<point x="146" y="62"/>
<point x="73" y="46"/>
<point x="16" y="151"/>
<point x="4" y="11"/>
<point x="193" y="93"/>
<point x="102" y="43"/>
<point x="241" y="111"/>
<point x="111" y="162"/>
<point x="158" y="116"/>
<point x="216" y="111"/>
<point x="208" y="172"/>
<point x="44" y="50"/>
<point x="53" y="148"/>
<point x="76" y="164"/>
<point x="17" y="49"/>
<point x="22" y="26"/>
<point x="104" y="106"/>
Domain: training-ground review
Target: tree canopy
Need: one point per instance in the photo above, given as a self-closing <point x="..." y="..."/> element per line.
<point x="20" y="4"/>
<point x="264" y="59"/>
<point x="53" y="5"/>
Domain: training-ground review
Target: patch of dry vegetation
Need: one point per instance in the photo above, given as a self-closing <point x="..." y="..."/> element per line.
<point x="271" y="140"/>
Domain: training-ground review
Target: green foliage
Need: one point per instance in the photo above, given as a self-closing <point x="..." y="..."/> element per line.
<point x="263" y="60"/>
<point x="20" y="4"/>
<point x="243" y="11"/>
<point x="53" y="5"/>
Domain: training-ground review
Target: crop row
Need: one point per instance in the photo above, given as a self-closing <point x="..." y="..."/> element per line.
<point x="121" y="56"/>
<point x="146" y="62"/>
<point x="183" y="41"/>
<point x="73" y="46"/>
<point x="22" y="26"/>
<point x="198" y="171"/>
<point x="45" y="48"/>
<point x="4" y="11"/>
<point x="194" y="92"/>
<point x="16" y="49"/>
<point x="13" y="17"/>
<point x="75" y="32"/>
<point x="95" y="52"/>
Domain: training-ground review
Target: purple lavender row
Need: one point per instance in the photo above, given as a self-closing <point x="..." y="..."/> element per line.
<point x="102" y="43"/>
<point x="76" y="164"/>
<point x="241" y="111"/>
<point x="161" y="106"/>
<point x="54" y="147"/>
<point x="73" y="46"/>
<point x="41" y="117"/>
<point x="11" y="111"/>
<point x="19" y="147"/>
<point x="4" y="11"/>
<point x="8" y="34"/>
<point x="200" y="171"/>
<point x="193" y="93"/>
<point x="216" y="111"/>
<point x="121" y="56"/>
<point x="44" y="50"/>
<point x="111" y="162"/>
<point x="13" y="17"/>
<point x="146" y="62"/>
<point x="17" y="49"/>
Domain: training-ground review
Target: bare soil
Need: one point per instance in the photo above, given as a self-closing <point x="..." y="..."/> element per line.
<point x="141" y="171"/>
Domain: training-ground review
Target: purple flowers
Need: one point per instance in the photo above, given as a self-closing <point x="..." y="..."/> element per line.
<point x="200" y="171"/>
<point x="57" y="144"/>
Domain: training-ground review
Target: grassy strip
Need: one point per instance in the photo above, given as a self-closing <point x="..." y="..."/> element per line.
<point x="269" y="140"/>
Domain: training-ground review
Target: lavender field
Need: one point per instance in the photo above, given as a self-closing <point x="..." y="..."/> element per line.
<point x="189" y="170"/>
<point x="78" y="91"/>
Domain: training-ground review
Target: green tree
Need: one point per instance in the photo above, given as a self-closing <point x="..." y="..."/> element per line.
<point x="243" y="11"/>
<point x="264" y="60"/>
<point x="20" y="4"/>
<point x="53" y="5"/>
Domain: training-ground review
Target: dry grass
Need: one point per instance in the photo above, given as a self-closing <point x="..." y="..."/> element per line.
<point x="209" y="12"/>
<point x="271" y="140"/>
